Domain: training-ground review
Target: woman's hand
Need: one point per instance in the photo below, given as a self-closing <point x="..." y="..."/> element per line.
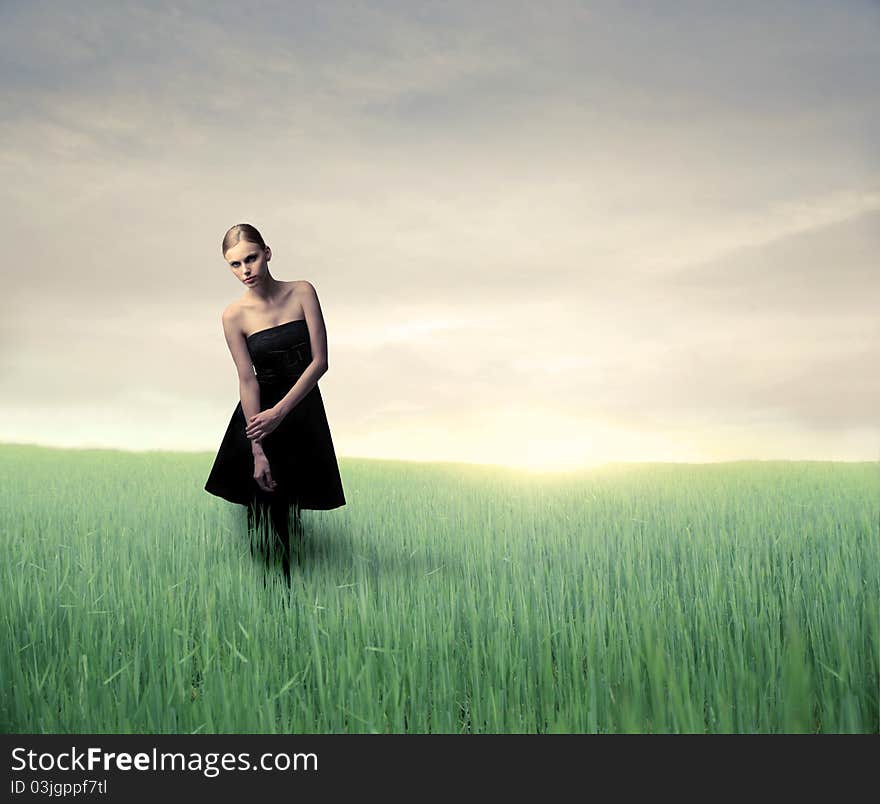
<point x="263" y="423"/>
<point x="262" y="473"/>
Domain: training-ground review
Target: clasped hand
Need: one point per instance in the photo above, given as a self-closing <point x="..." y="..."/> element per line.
<point x="263" y="423"/>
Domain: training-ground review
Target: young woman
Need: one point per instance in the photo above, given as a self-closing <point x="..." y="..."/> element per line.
<point x="277" y="453"/>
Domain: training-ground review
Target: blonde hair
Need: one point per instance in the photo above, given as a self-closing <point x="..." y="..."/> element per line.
<point x="239" y="232"/>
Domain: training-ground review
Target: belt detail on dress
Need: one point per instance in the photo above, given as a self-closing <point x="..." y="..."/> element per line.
<point x="286" y="363"/>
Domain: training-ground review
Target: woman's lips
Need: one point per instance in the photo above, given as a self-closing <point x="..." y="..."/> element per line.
<point x="249" y="280"/>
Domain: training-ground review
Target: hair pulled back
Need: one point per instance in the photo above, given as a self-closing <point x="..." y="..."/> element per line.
<point x="239" y="232"/>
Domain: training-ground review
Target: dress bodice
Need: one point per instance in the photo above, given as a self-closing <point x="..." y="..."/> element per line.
<point x="280" y="353"/>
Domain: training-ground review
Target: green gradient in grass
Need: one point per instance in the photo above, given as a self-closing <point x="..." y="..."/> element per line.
<point x="445" y="598"/>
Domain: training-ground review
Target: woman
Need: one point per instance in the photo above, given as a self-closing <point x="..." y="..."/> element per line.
<point x="277" y="452"/>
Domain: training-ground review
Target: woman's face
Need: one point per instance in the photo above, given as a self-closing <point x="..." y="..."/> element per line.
<point x="248" y="262"/>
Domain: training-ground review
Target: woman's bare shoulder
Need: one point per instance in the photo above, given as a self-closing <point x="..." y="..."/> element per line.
<point x="231" y="317"/>
<point x="302" y="287"/>
<point x="232" y="310"/>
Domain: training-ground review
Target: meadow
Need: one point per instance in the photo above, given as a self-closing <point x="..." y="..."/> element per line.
<point x="738" y="597"/>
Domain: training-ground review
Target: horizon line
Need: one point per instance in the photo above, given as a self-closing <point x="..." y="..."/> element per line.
<point x="586" y="467"/>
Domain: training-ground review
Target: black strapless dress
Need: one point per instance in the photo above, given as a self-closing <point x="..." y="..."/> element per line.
<point x="300" y="450"/>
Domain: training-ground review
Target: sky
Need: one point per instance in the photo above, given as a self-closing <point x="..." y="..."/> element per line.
<point x="542" y="235"/>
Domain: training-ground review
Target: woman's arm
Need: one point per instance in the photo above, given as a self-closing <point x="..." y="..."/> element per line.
<point x="248" y="387"/>
<point x="308" y="297"/>
<point x="249" y="391"/>
<point x="266" y="421"/>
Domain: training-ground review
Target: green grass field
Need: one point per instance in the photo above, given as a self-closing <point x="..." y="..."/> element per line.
<point x="737" y="597"/>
